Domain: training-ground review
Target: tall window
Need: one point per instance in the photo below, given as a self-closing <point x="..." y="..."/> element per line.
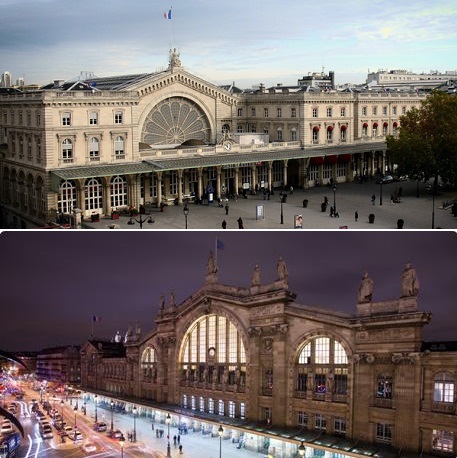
<point x="339" y="426"/>
<point x="279" y="134"/>
<point x="279" y="112"/>
<point x="66" y="119"/>
<point x="93" y="118"/>
<point x="329" y="112"/>
<point x="375" y="111"/>
<point x="293" y="112"/>
<point x="443" y="441"/>
<point x="343" y="111"/>
<point x="302" y="419"/>
<point x="253" y="112"/>
<point x="384" y="386"/>
<point x="384" y="110"/>
<point x="265" y="112"/>
<point x="329" y="134"/>
<point x="364" y="111"/>
<point x="148" y="364"/>
<point x="94" y="194"/>
<point x="67" y="150"/>
<point x="67" y="197"/>
<point x="383" y="432"/>
<point x="443" y="389"/>
<point x="314" y="112"/>
<point x="293" y="135"/>
<point x="239" y="112"/>
<point x="394" y="110"/>
<point x="315" y="134"/>
<point x="118" y="187"/>
<point x="119" y="152"/>
<point x="118" y="117"/>
<point x="94" y="149"/>
<point x="320" y="422"/>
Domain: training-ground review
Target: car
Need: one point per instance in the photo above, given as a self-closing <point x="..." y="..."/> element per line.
<point x="116" y="434"/>
<point x="100" y="427"/>
<point x="385" y="179"/>
<point x="89" y="447"/>
<point x="66" y="430"/>
<point x="75" y="435"/>
<point x="7" y="427"/>
<point x="46" y="432"/>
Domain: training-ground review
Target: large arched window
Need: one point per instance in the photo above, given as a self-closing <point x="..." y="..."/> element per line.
<point x="213" y="352"/>
<point x="67" y="150"/>
<point x="94" y="194"/>
<point x="118" y="187"/>
<point x="148" y="364"/>
<point x="67" y="196"/>
<point x="322" y="367"/>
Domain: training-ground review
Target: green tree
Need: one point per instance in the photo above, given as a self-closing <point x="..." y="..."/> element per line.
<point x="426" y="147"/>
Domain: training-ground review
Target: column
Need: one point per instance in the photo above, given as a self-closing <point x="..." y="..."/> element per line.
<point x="372" y="162"/>
<point x="180" y="177"/>
<point x="236" y="179"/>
<point x="200" y="182"/>
<point x="383" y="162"/>
<point x="254" y="176"/>
<point x="218" y="182"/>
<point x="284" y="180"/>
<point x="270" y="174"/>
<point x="159" y="188"/>
<point x="320" y="173"/>
<point x="81" y="196"/>
<point x="334" y="172"/>
<point x="106" y="195"/>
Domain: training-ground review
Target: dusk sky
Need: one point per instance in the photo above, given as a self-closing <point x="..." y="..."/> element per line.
<point x="53" y="282"/>
<point x="247" y="42"/>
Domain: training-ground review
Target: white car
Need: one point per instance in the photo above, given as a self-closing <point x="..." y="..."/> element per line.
<point x="75" y="435"/>
<point x="7" y="427"/>
<point x="89" y="447"/>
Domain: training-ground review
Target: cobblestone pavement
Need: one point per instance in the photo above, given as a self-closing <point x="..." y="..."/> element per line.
<point x="350" y="197"/>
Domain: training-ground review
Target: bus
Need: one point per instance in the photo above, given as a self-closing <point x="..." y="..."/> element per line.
<point x="9" y="445"/>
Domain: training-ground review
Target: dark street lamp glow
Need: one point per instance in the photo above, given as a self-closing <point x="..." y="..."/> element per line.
<point x="96" y="401"/>
<point x="168" y="421"/>
<point x="134" y="412"/>
<point x="334" y="200"/>
<point x="141" y="221"/>
<point x="185" y="210"/>
<point x="220" y="431"/>
<point x="112" y="413"/>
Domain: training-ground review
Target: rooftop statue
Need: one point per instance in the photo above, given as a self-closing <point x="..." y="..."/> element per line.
<point x="365" y="289"/>
<point x="282" y="269"/>
<point x="255" y="279"/>
<point x="409" y="281"/>
<point x="175" y="61"/>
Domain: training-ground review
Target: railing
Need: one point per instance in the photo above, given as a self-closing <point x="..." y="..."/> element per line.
<point x="385" y="403"/>
<point x="444" y="407"/>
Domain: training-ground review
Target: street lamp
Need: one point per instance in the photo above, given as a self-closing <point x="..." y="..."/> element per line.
<point x="61" y="408"/>
<point x="168" y="421"/>
<point x="122" y="443"/>
<point x="301" y="449"/>
<point x="380" y="192"/>
<point x="185" y="210"/>
<point x="84" y="404"/>
<point x="334" y="199"/>
<point x="141" y="221"/>
<point x="75" y="410"/>
<point x="282" y="214"/>
<point x="96" y="402"/>
<point x="220" y="431"/>
<point x="134" y="412"/>
<point x="112" y="411"/>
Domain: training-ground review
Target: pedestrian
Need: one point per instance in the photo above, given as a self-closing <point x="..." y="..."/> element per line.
<point x="179" y="439"/>
<point x="180" y="449"/>
<point x="373" y="199"/>
<point x="224" y="224"/>
<point x="356" y="215"/>
<point x="174" y="440"/>
<point x="226" y="209"/>
<point x="291" y="190"/>
<point x="240" y="223"/>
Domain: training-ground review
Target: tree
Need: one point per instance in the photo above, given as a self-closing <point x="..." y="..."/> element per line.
<point x="426" y="146"/>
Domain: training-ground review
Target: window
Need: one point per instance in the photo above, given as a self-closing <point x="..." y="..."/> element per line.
<point x="383" y="433"/>
<point x="279" y="134"/>
<point x="265" y="112"/>
<point x="343" y="111"/>
<point x="339" y="426"/>
<point x="394" y="110"/>
<point x="364" y="111"/>
<point x="118" y="117"/>
<point x="443" y="389"/>
<point x="403" y="110"/>
<point x="314" y="112"/>
<point x="38" y="150"/>
<point x="375" y="111"/>
<point x="20" y="118"/>
<point x="66" y="119"/>
<point x="293" y="112"/>
<point x="315" y="134"/>
<point x="329" y="112"/>
<point x="253" y="128"/>
<point x="279" y="112"/>
<point x="320" y="422"/>
<point x="119" y="152"/>
<point x="384" y="386"/>
<point x="29" y="118"/>
<point x="67" y="150"/>
<point x="443" y="441"/>
<point x="231" y="409"/>
<point x="93" y="118"/>
<point x="118" y="187"/>
<point x="239" y="128"/>
<point x="302" y="419"/>
<point x="293" y="135"/>
<point x="211" y="405"/>
<point x="67" y="196"/>
<point x="253" y="112"/>
<point x="94" y="152"/>
<point x="221" y="407"/>
<point x="202" y="404"/>
<point x="38" y="119"/>
<point x="240" y="112"/>
<point x="384" y="110"/>
<point x="94" y="194"/>
<point x="329" y="134"/>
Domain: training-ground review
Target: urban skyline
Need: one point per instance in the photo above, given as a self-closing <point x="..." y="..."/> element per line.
<point x="55" y="283"/>
<point x="248" y="43"/>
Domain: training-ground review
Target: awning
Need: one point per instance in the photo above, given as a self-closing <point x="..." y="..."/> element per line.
<point x="375" y="124"/>
<point x="344" y="158"/>
<point x="386" y="124"/>
<point x="318" y="160"/>
<point x="316" y="129"/>
<point x="330" y="128"/>
<point x="344" y="127"/>
<point x="331" y="159"/>
<point x="365" y="124"/>
<point x="395" y="124"/>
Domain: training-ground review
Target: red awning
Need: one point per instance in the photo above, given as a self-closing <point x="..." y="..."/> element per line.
<point x="395" y="124"/>
<point x="375" y="124"/>
<point x="344" y="158"/>
<point x="331" y="159"/>
<point x="316" y="160"/>
<point x="344" y="127"/>
<point x="365" y="124"/>
<point x="330" y="128"/>
<point x="386" y="124"/>
<point x="316" y="129"/>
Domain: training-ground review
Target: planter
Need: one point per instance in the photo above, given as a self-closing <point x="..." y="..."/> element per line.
<point x="305" y="203"/>
<point x="323" y="206"/>
<point x="371" y="218"/>
<point x="400" y="223"/>
<point x="142" y="210"/>
<point x="114" y="215"/>
<point x="133" y="212"/>
<point x="95" y="218"/>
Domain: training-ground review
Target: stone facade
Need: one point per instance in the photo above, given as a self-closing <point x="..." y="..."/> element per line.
<point x="256" y="354"/>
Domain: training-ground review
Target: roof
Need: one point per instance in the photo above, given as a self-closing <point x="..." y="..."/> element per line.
<point x="116" y="83"/>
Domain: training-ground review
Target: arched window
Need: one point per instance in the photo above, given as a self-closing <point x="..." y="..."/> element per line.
<point x="118" y="187"/>
<point x="315" y="134"/>
<point x="148" y="364"/>
<point x="94" y="194"/>
<point x="67" y="196"/>
<point x="322" y="368"/>
<point x="329" y="134"/>
<point x="213" y="352"/>
<point x="67" y="150"/>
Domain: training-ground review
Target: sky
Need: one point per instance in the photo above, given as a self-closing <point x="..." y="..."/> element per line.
<point x="223" y="42"/>
<point x="54" y="282"/>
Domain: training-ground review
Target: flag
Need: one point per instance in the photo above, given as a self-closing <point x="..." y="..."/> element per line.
<point x="167" y="15"/>
<point x="219" y="244"/>
<point x="96" y="318"/>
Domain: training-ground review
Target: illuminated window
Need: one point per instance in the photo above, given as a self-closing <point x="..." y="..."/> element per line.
<point x="443" y="389"/>
<point x="443" y="441"/>
<point x="211" y="405"/>
<point x="384" y="387"/>
<point x="302" y="419"/>
<point x="202" y="404"/>
<point x="231" y="409"/>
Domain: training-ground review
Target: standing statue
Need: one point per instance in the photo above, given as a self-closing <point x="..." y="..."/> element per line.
<point x="175" y="61"/>
<point x="172" y="304"/>
<point x="409" y="281"/>
<point x="162" y="303"/>
<point x="365" y="289"/>
<point x="212" y="266"/>
<point x="282" y="269"/>
<point x="255" y="280"/>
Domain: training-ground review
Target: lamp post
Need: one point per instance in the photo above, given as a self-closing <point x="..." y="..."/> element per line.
<point x="112" y="415"/>
<point x="96" y="401"/>
<point x="334" y="199"/>
<point x="84" y="404"/>
<point x="141" y="221"/>
<point x="75" y="410"/>
<point x="168" y="421"/>
<point x="301" y="449"/>
<point x="134" y="412"/>
<point x="122" y="443"/>
<point x="282" y="214"/>
<point x="380" y="192"/>
<point x="185" y="210"/>
<point x="220" y="431"/>
<point x="61" y="409"/>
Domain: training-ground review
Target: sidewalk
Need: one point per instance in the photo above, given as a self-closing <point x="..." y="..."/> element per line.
<point x="349" y="197"/>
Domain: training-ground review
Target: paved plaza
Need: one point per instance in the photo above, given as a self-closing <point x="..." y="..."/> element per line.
<point x="350" y="197"/>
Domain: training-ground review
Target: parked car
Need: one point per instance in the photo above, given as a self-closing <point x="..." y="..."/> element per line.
<point x="89" y="447"/>
<point x="100" y="427"/>
<point x="385" y="179"/>
<point x="116" y="434"/>
<point x="75" y="435"/>
<point x="46" y="432"/>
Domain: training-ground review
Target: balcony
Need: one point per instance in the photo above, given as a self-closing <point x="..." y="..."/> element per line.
<point x="444" y="407"/>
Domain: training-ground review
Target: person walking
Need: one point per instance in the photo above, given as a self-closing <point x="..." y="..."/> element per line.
<point x="356" y="215"/>
<point x="240" y="223"/>
<point x="373" y="199"/>
<point x="180" y="449"/>
<point x="224" y="224"/>
<point x="226" y="209"/>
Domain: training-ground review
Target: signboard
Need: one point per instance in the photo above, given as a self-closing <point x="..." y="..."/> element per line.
<point x="298" y="222"/>
<point x="260" y="212"/>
